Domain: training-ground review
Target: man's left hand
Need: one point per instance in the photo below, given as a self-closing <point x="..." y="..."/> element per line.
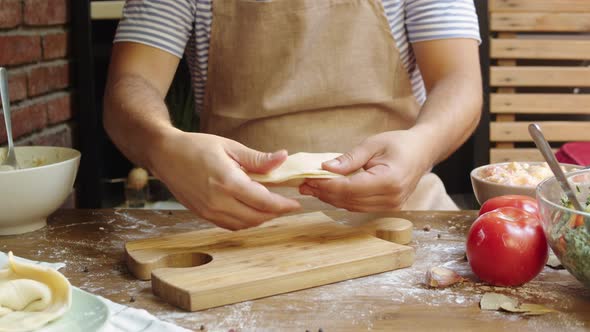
<point x="393" y="164"/>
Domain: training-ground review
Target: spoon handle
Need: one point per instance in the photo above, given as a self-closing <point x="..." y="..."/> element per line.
<point x="5" y="103"/>
<point x="545" y="149"/>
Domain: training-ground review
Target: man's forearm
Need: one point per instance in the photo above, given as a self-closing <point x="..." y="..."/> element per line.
<point x="135" y="117"/>
<point x="450" y="114"/>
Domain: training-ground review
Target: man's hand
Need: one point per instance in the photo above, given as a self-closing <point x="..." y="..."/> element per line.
<point x="206" y="173"/>
<point x="393" y="163"/>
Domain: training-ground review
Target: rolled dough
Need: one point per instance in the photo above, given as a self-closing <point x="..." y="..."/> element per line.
<point x="302" y="165"/>
<point x="31" y="296"/>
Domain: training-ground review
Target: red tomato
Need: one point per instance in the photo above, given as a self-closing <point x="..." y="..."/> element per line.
<point x="518" y="201"/>
<point x="506" y="247"/>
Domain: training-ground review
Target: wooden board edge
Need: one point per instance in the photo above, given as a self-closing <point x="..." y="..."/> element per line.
<point x="137" y="268"/>
<point x="404" y="257"/>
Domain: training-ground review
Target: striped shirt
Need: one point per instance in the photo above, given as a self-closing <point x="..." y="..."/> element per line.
<point x="184" y="27"/>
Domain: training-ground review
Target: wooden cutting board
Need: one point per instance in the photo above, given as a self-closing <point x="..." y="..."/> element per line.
<point x="214" y="267"/>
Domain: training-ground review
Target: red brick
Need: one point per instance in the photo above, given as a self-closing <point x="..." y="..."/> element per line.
<point x="25" y="120"/>
<point x="17" y="86"/>
<point x="48" y="78"/>
<point x="18" y="49"/>
<point x="59" y="109"/>
<point x="51" y="137"/>
<point x="55" y="46"/>
<point x="46" y="12"/>
<point x="10" y="13"/>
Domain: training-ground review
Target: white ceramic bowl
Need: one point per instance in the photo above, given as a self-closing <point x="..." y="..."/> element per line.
<point x="484" y="189"/>
<point x="42" y="184"/>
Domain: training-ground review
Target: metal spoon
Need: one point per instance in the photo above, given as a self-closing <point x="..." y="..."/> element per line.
<point x="10" y="160"/>
<point x="545" y="149"/>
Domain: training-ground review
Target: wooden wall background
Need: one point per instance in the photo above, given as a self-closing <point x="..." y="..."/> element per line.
<point x="540" y="57"/>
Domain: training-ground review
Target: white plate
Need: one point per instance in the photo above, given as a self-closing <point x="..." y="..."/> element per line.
<point x="88" y="313"/>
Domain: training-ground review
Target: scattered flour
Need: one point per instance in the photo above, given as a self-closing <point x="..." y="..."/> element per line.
<point x="359" y="303"/>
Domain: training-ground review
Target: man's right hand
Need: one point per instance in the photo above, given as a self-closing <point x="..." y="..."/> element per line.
<point x="206" y="173"/>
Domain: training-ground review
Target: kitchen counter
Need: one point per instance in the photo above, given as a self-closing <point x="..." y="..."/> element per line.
<point x="91" y="243"/>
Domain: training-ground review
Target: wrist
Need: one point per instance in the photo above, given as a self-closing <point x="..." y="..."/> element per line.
<point x="428" y="143"/>
<point x="160" y="142"/>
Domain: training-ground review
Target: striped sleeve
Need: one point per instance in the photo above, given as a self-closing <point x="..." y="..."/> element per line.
<point x="441" y="19"/>
<point x="163" y="24"/>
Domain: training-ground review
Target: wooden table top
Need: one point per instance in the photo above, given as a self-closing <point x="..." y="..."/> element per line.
<point x="90" y="242"/>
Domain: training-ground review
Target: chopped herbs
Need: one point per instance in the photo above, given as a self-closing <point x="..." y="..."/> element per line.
<point x="572" y="242"/>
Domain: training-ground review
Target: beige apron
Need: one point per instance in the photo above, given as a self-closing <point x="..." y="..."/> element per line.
<point x="309" y="75"/>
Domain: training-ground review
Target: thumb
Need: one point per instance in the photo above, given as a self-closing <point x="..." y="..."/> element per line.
<point x="350" y="161"/>
<point x="258" y="162"/>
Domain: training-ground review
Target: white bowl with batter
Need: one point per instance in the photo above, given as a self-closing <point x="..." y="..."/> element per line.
<point x="42" y="183"/>
<point x="511" y="178"/>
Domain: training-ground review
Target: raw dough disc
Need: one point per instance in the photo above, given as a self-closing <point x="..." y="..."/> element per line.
<point x="300" y="165"/>
<point x="31" y="296"/>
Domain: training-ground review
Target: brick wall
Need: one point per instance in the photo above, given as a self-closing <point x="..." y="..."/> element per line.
<point x="34" y="47"/>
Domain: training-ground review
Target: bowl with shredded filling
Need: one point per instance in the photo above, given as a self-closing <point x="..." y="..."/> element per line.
<point x="42" y="182"/>
<point x="511" y="178"/>
<point x="566" y="228"/>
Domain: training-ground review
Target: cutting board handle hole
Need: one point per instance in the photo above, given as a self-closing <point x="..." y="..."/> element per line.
<point x="185" y="259"/>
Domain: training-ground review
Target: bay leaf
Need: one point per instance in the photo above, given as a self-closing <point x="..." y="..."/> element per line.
<point x="495" y="301"/>
<point x="535" y="309"/>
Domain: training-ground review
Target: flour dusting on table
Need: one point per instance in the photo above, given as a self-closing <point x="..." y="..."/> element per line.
<point x="358" y="304"/>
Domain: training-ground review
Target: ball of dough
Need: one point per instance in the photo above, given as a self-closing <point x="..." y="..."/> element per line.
<point x="137" y="178"/>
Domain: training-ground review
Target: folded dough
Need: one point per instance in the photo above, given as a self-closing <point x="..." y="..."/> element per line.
<point x="302" y="165"/>
<point x="31" y="296"/>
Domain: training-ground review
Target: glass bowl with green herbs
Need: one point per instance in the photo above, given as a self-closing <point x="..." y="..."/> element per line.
<point x="566" y="229"/>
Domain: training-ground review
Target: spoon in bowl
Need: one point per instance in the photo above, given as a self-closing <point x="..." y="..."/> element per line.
<point x="545" y="149"/>
<point x="9" y="162"/>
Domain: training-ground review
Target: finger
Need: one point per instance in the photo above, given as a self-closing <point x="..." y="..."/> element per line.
<point x="372" y="206"/>
<point x="350" y="161"/>
<point x="352" y="207"/>
<point x="246" y="214"/>
<point x="374" y="201"/>
<point x="363" y="208"/>
<point x="374" y="181"/>
<point x="226" y="221"/>
<point x="258" y="196"/>
<point x="218" y="218"/>
<point x="256" y="161"/>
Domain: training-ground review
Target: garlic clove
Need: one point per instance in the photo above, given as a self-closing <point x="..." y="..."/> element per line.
<point x="440" y="277"/>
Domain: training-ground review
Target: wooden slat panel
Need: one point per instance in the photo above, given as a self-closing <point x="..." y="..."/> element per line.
<point x="540" y="49"/>
<point x="106" y="10"/>
<point x="557" y="131"/>
<point x="540" y="76"/>
<point x="504" y="145"/>
<point x="539" y="6"/>
<point x="539" y="103"/>
<point x="505" y="117"/>
<point x="540" y="22"/>
<point x="522" y="154"/>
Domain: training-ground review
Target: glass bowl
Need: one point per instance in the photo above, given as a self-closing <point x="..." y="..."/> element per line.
<point x="564" y="226"/>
